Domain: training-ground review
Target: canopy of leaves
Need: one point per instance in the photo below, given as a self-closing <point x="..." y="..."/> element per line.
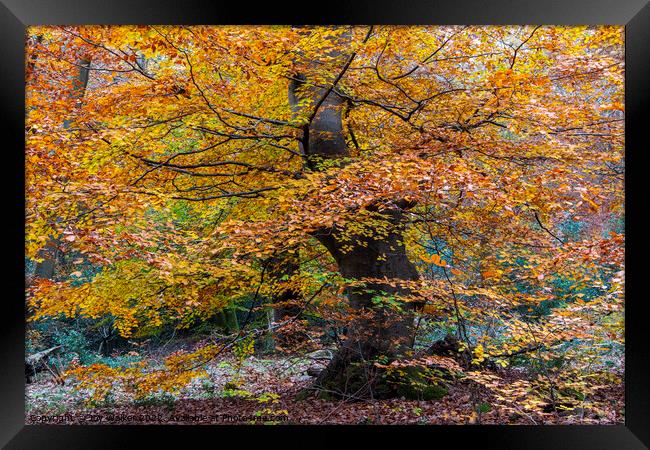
<point x="176" y="173"/>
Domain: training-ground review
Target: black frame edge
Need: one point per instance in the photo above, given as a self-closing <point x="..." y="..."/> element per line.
<point x="21" y="13"/>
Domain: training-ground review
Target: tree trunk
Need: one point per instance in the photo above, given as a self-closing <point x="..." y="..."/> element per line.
<point x="285" y="298"/>
<point x="226" y="320"/>
<point x="377" y="328"/>
<point x="50" y="253"/>
<point x="381" y="325"/>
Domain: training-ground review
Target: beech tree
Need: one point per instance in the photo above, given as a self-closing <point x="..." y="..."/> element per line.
<point x="373" y="176"/>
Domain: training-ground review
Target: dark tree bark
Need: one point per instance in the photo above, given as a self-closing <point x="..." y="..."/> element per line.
<point x="226" y="320"/>
<point x="379" y="330"/>
<point x="285" y="299"/>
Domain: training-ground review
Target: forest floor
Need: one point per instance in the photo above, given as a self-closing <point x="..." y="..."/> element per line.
<point x="265" y="391"/>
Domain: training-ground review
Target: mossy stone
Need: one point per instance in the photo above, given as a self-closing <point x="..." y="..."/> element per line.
<point x="413" y="385"/>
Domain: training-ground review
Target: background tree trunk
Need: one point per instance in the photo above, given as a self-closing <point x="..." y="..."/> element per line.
<point x="226" y="320"/>
<point x="285" y="298"/>
<point x="50" y="253"/>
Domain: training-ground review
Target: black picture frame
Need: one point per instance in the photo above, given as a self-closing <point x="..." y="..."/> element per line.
<point x="16" y="15"/>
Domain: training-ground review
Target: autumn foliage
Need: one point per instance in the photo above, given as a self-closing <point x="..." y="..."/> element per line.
<point x="387" y="187"/>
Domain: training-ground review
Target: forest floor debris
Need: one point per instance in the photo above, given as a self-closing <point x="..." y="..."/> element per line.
<point x="265" y="391"/>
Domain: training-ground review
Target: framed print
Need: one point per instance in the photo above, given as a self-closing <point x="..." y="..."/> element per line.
<point x="421" y="218"/>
